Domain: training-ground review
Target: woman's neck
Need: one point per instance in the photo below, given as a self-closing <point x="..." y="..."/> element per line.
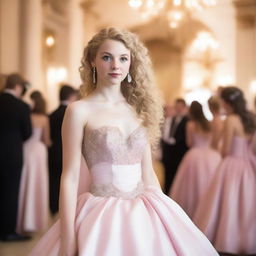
<point x="110" y="93"/>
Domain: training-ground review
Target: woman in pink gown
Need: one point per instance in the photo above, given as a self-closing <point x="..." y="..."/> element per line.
<point x="125" y="212"/>
<point x="198" y="165"/>
<point x="226" y="214"/>
<point x="33" y="209"/>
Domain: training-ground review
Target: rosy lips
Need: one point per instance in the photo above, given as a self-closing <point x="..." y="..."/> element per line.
<point x="114" y="74"/>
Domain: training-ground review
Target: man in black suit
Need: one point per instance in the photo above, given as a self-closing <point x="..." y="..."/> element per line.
<point x="174" y="142"/>
<point x="67" y="95"/>
<point x="15" y="128"/>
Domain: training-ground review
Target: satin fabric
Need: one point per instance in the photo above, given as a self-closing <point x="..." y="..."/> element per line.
<point x="150" y="224"/>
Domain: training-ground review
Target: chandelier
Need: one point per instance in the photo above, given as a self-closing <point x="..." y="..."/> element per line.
<point x="175" y="10"/>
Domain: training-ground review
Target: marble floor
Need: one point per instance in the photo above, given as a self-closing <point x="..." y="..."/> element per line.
<point x="22" y="248"/>
<point x="18" y="248"/>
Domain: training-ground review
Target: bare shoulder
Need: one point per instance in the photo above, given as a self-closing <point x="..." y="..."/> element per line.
<point x="80" y="110"/>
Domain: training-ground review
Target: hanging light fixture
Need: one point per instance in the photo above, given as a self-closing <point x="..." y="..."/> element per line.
<point x="175" y="10"/>
<point x="147" y="8"/>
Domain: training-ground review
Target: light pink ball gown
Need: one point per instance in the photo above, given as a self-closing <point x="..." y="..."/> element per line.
<point x="33" y="208"/>
<point x="227" y="212"/>
<point x="119" y="216"/>
<point x="195" y="174"/>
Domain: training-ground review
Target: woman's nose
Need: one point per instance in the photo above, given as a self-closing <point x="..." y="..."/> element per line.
<point x="115" y="64"/>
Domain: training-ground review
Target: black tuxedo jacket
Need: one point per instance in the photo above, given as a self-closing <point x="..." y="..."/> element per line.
<point x="173" y="154"/>
<point x="56" y="119"/>
<point x="15" y="128"/>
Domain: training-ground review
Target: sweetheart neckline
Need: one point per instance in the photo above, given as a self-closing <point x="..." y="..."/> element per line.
<point x="116" y="128"/>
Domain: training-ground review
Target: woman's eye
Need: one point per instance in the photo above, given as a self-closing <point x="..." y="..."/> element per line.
<point x="123" y="59"/>
<point x="106" y="58"/>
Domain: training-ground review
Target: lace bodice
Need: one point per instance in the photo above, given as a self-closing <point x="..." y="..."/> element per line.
<point x="114" y="161"/>
<point x="107" y="144"/>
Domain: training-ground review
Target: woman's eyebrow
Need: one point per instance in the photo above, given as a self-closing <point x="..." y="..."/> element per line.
<point x="123" y="54"/>
<point x="106" y="53"/>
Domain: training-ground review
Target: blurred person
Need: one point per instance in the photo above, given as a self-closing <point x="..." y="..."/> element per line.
<point x="173" y="143"/>
<point x="34" y="196"/>
<point x="199" y="164"/>
<point x="15" y="128"/>
<point x="254" y="104"/>
<point x="114" y="126"/>
<point x="226" y="213"/>
<point x="217" y="122"/>
<point x="67" y="95"/>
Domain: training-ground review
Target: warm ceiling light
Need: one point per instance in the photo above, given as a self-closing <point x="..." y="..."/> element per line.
<point x="177" y="2"/>
<point x="135" y="3"/>
<point x="50" y="41"/>
<point x="149" y="8"/>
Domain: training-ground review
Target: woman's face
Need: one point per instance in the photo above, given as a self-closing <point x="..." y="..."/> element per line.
<point x="112" y="62"/>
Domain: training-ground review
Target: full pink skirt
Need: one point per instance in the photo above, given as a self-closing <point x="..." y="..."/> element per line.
<point x="193" y="177"/>
<point x="227" y="212"/>
<point x="33" y="211"/>
<point x="150" y="224"/>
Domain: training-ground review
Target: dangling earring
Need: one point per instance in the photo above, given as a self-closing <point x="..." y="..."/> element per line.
<point x="129" y="78"/>
<point x="94" y="75"/>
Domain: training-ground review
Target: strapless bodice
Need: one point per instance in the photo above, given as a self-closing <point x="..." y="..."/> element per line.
<point x="114" y="161"/>
<point x="239" y="147"/>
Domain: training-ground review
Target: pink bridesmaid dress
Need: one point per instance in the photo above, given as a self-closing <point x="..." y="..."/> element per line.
<point x="195" y="174"/>
<point x="119" y="216"/>
<point x="227" y="212"/>
<point x="33" y="208"/>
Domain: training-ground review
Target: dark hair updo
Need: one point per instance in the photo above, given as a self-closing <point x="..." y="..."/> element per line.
<point x="234" y="97"/>
<point x="196" y="114"/>
<point x="39" y="103"/>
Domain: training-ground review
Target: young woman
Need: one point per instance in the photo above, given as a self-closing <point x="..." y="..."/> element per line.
<point x="226" y="214"/>
<point x="113" y="127"/>
<point x="198" y="165"/>
<point x="33" y="210"/>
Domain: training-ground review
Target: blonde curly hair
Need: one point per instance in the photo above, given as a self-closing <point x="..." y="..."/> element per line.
<point x="141" y="93"/>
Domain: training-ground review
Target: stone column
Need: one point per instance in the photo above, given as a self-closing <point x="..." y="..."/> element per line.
<point x="9" y="36"/>
<point x="246" y="44"/>
<point x="76" y="41"/>
<point x="31" y="42"/>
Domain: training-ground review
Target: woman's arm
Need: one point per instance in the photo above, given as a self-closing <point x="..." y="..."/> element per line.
<point x="148" y="174"/>
<point x="190" y="129"/>
<point x="46" y="133"/>
<point x="72" y="136"/>
<point x="228" y="134"/>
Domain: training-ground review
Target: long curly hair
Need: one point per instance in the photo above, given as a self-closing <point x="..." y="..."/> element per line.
<point x="141" y="93"/>
<point x="197" y="115"/>
<point x="234" y="97"/>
